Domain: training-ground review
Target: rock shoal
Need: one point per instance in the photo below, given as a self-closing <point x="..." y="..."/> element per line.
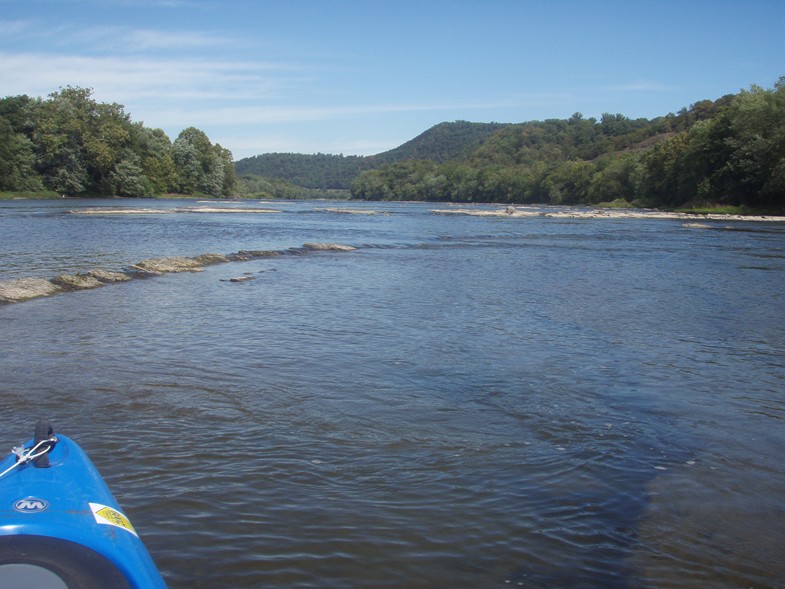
<point x="24" y="289"/>
<point x="603" y="214"/>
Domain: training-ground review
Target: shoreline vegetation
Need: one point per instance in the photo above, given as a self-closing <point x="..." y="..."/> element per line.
<point x="728" y="152"/>
<point x="25" y="289"/>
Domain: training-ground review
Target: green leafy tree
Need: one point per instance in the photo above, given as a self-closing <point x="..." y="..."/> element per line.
<point x="128" y="178"/>
<point x="201" y="166"/>
<point x="568" y="182"/>
<point x="77" y="146"/>
<point x="154" y="149"/>
<point x="228" y="173"/>
<point x="16" y="110"/>
<point x="79" y="141"/>
<point x="251" y="185"/>
<point x="616" y="178"/>
<point x="757" y="145"/>
<point x="17" y="161"/>
<point x="57" y="137"/>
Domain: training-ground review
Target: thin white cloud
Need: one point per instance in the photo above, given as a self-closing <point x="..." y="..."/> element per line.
<point x="245" y="92"/>
<point x="270" y="113"/>
<point x="112" y="39"/>
<point x="642" y="86"/>
<point x="127" y="41"/>
<point x="9" y="28"/>
<point x="121" y="79"/>
<point x="148" y="39"/>
<point x="177" y="79"/>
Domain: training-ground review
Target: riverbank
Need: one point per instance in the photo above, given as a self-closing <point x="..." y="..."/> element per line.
<point x="48" y="195"/>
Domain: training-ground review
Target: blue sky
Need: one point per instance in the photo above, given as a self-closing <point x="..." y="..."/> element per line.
<point x="364" y="76"/>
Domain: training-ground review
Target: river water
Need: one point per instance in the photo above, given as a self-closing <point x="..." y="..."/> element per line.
<point x="461" y="401"/>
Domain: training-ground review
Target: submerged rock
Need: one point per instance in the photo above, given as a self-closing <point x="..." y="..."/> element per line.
<point x="179" y="264"/>
<point x="245" y="255"/>
<point x="166" y="265"/>
<point x="331" y="247"/>
<point x="350" y="211"/>
<point x="210" y="259"/>
<point x="225" y="210"/>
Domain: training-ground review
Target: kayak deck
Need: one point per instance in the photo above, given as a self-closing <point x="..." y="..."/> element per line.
<point x="61" y="527"/>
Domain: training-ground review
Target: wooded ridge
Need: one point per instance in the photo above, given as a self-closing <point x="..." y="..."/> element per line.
<point x="438" y="144"/>
<point x="727" y="152"/>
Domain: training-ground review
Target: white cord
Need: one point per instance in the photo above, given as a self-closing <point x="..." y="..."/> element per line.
<point x="25" y="456"/>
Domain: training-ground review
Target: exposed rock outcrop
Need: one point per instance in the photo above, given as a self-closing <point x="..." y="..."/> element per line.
<point x="76" y="281"/>
<point x="165" y="265"/>
<point x="23" y="289"/>
<point x="244" y="255"/>
<point x="108" y="277"/>
<point x="328" y="247"/>
<point x="599" y="213"/>
<point x="210" y="259"/>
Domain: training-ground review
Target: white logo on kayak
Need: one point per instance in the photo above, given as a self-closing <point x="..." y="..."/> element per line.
<point x="30" y="505"/>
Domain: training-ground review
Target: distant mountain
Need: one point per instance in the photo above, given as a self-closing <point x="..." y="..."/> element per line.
<point x="443" y="142"/>
<point x="317" y="171"/>
<point x="438" y="144"/>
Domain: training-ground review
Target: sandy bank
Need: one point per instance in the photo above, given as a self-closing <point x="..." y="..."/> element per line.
<point x="581" y="213"/>
<point x="119" y="211"/>
<point x="146" y="211"/>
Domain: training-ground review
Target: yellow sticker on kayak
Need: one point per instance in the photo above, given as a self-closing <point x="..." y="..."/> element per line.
<point x="104" y="514"/>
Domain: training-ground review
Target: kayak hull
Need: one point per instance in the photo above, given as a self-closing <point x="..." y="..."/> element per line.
<point x="62" y="522"/>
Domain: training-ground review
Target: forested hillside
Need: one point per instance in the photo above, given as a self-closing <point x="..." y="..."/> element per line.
<point x="725" y="152"/>
<point x="322" y="171"/>
<point x="442" y="142"/>
<point x="439" y="144"/>
<point x="730" y="151"/>
<point x="70" y="144"/>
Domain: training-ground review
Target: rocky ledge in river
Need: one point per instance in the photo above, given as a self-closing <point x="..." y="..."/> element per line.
<point x="158" y="266"/>
<point x="24" y="289"/>
<point x="601" y="213"/>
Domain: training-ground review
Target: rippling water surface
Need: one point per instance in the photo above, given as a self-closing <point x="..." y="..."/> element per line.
<point x="460" y="402"/>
